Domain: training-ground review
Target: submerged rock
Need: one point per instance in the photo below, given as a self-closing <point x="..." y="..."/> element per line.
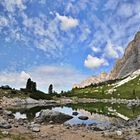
<point x="83" y="117"/>
<point x="75" y="113"/>
<point x="51" y="115"/>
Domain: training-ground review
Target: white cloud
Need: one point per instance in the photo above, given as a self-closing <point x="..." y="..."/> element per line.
<point x="24" y="76"/>
<point x="14" y="79"/>
<point x="11" y="5"/>
<point x="61" y="77"/>
<point x="46" y="38"/>
<point x="125" y="9"/>
<point x="111" y="5"/>
<point x="112" y="51"/>
<point x="67" y="22"/>
<point x="96" y="50"/>
<point x="3" y="21"/>
<point x="95" y="62"/>
<point x="42" y="2"/>
<point x="85" y="33"/>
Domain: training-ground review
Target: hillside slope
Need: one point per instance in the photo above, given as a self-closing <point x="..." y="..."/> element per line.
<point x="126" y="88"/>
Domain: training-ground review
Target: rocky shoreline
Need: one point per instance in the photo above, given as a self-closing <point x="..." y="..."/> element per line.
<point x="5" y="102"/>
<point x="50" y="120"/>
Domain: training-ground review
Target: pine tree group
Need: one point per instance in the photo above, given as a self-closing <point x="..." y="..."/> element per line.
<point x="31" y="85"/>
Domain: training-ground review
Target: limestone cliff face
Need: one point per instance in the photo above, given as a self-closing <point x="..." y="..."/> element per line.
<point x="92" y="80"/>
<point x="130" y="61"/>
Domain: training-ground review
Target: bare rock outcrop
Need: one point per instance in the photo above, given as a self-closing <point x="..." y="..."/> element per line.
<point x="130" y="61"/>
<point x="92" y="80"/>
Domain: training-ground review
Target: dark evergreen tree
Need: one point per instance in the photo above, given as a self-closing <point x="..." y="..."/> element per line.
<point x="50" y="90"/>
<point x="29" y="84"/>
<point x="33" y="86"/>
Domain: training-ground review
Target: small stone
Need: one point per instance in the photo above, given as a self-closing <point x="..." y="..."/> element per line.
<point x="32" y="123"/>
<point x="1" y="110"/>
<point x="83" y="135"/>
<point x="67" y="127"/>
<point x="119" y="133"/>
<point x="20" y="121"/>
<point x="5" y="132"/>
<point x="44" y="135"/>
<point x="10" y="120"/>
<point x="51" y="126"/>
<point x="50" y="122"/>
<point x="15" y="125"/>
<point x="36" y="129"/>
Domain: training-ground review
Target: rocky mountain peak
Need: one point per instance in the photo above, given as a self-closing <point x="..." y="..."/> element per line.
<point x="130" y="61"/>
<point x="92" y="80"/>
<point x="124" y="66"/>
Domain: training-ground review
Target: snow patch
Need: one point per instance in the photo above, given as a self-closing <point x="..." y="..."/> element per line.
<point x="129" y="78"/>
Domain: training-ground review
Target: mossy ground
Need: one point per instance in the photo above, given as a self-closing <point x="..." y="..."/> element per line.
<point x="12" y="136"/>
<point x="12" y="93"/>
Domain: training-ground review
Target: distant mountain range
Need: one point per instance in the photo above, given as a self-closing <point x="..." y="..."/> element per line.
<point x="124" y="66"/>
<point x="93" y="79"/>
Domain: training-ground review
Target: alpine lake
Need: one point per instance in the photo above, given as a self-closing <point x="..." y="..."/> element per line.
<point x="98" y="113"/>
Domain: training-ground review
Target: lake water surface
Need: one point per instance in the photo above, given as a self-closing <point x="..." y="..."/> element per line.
<point x="98" y="113"/>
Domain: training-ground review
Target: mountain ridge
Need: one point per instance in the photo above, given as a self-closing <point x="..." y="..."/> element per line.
<point x="123" y="67"/>
<point x="130" y="61"/>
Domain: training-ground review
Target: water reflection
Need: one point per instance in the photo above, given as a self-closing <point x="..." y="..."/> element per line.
<point x="97" y="112"/>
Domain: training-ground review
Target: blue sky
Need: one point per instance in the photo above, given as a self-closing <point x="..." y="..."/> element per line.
<point x="63" y="41"/>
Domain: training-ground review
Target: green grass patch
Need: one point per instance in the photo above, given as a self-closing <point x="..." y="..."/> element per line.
<point x="12" y="136"/>
<point x="129" y="90"/>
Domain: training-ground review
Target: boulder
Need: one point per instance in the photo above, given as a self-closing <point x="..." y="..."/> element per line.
<point x="4" y="124"/>
<point x="83" y="117"/>
<point x="36" y="129"/>
<point x="98" y="127"/>
<point x="31" y="101"/>
<point x="8" y="113"/>
<point x="51" y="115"/>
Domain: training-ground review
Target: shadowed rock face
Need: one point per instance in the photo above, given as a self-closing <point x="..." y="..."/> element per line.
<point x="130" y="61"/>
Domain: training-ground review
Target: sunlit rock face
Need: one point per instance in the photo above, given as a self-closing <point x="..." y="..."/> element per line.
<point x="92" y="80"/>
<point x="130" y="61"/>
<point x="124" y="66"/>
